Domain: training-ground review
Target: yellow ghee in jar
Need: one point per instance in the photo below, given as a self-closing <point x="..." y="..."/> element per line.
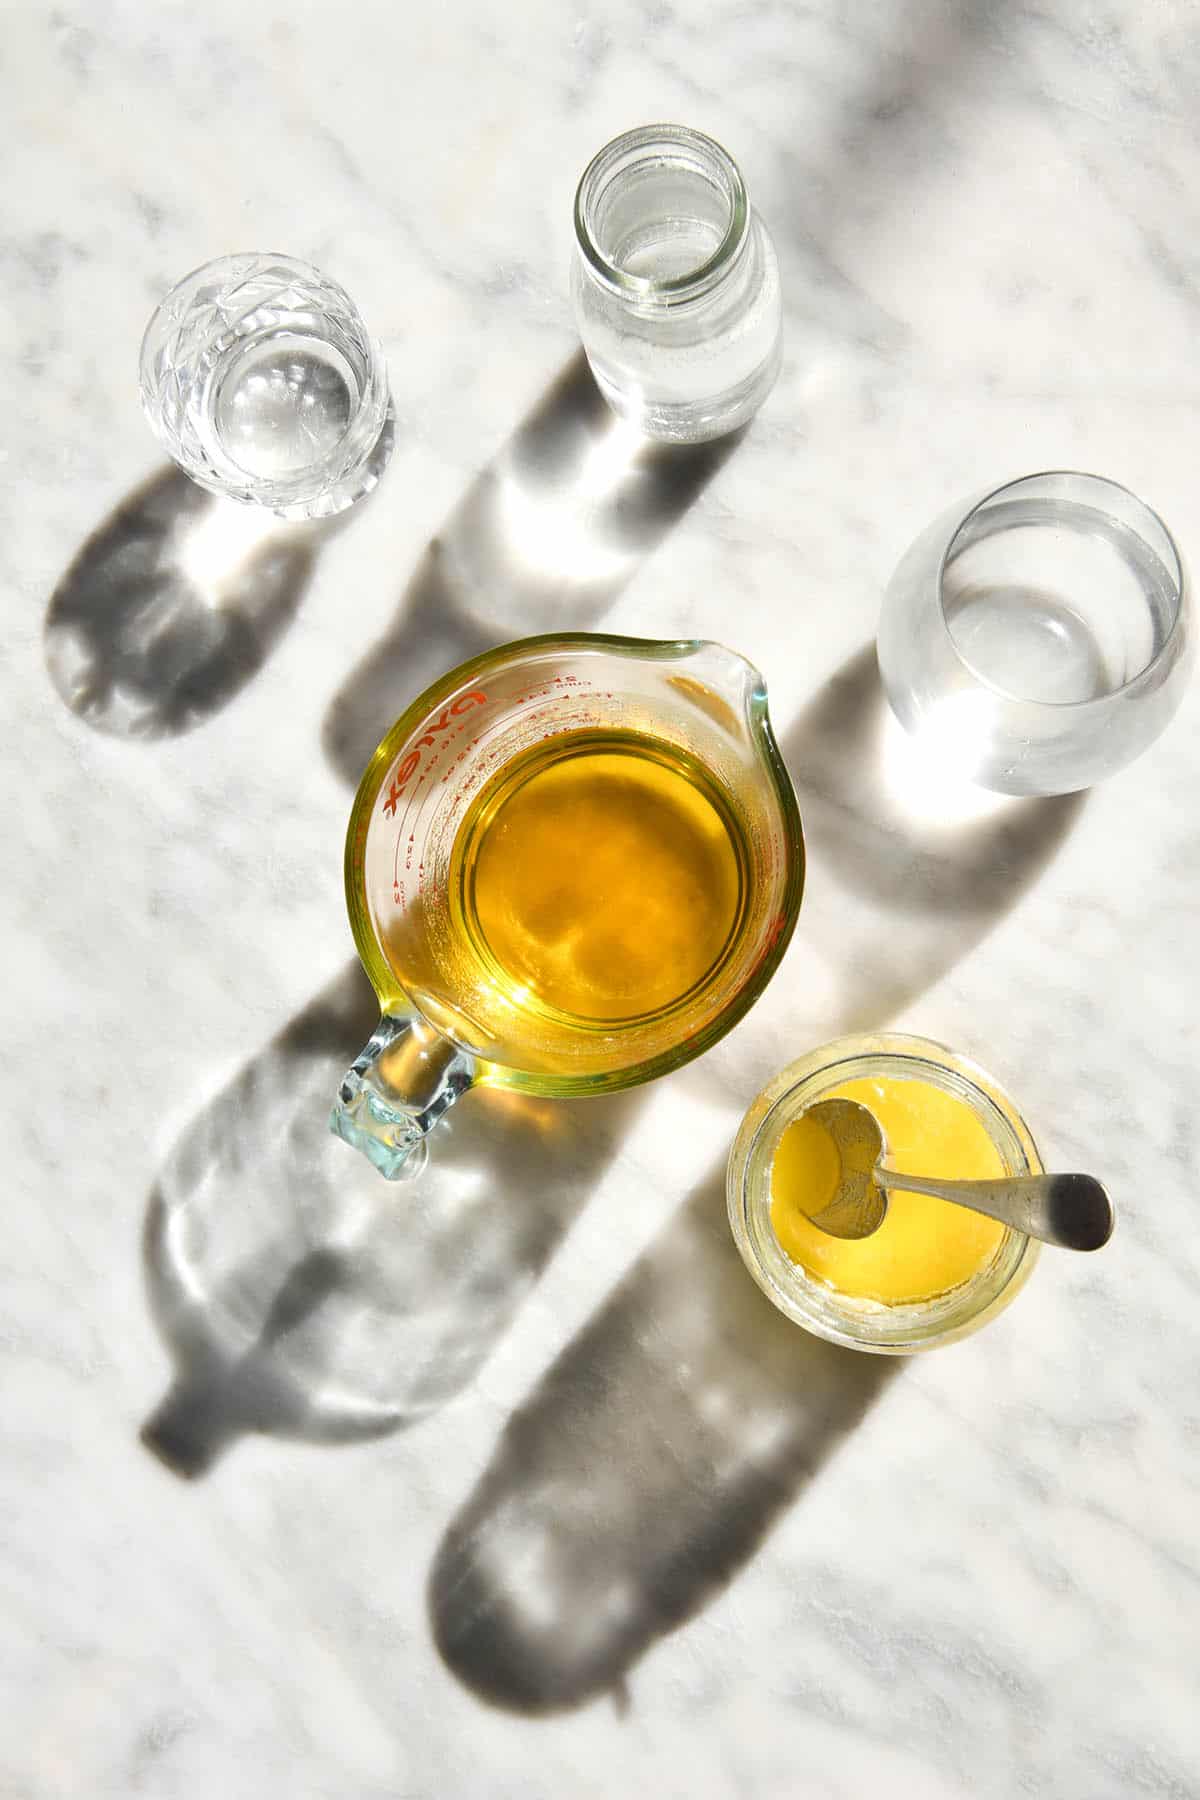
<point x="925" y="1246"/>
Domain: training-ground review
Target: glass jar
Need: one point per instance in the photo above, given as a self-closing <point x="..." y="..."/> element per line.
<point x="858" y="1323"/>
<point x="675" y="284"/>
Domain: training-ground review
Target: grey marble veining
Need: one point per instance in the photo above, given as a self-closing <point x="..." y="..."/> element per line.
<point x="308" y="1491"/>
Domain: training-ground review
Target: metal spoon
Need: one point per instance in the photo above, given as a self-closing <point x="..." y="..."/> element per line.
<point x="1072" y="1211"/>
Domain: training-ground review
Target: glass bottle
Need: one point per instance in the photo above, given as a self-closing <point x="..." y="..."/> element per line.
<point x="675" y="284"/>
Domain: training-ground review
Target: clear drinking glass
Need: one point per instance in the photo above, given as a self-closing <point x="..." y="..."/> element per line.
<point x="675" y="284"/>
<point x="259" y="377"/>
<point x="1038" y="639"/>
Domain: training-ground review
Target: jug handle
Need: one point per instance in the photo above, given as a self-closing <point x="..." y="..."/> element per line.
<point x="396" y="1090"/>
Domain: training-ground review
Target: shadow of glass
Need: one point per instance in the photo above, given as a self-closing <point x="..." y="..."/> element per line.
<point x="304" y="1297"/>
<point x="909" y="867"/>
<point x="175" y="602"/>
<point x="546" y="536"/>
<point x="171" y="607"/>
<point x="641" y="1475"/>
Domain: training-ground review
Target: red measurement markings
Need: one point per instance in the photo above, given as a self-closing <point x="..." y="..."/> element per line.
<point x="437" y="736"/>
<point x="411" y="762"/>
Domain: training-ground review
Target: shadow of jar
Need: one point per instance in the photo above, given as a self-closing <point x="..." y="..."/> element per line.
<point x="642" y="1473"/>
<point x="546" y="536"/>
<point x="650" y="1461"/>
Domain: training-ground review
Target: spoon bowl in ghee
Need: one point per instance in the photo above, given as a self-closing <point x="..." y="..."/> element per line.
<point x="1072" y="1212"/>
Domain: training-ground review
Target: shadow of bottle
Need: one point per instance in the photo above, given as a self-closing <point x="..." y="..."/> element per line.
<point x="642" y="1473"/>
<point x="304" y="1297"/>
<point x="546" y="536"/>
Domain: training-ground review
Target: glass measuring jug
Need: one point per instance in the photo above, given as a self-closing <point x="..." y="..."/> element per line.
<point x="571" y="866"/>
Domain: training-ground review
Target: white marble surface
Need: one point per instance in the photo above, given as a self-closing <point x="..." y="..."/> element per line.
<point x="642" y="1537"/>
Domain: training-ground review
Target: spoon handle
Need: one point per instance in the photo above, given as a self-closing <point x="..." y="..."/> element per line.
<point x="1073" y="1212"/>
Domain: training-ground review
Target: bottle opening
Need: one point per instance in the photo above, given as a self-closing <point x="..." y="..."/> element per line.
<point x="661" y="211"/>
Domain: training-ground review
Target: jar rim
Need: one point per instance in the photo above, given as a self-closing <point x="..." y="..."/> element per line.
<point x="640" y="145"/>
<point x="815" y="1304"/>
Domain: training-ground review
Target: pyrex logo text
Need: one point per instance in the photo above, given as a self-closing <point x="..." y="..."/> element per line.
<point x="408" y="767"/>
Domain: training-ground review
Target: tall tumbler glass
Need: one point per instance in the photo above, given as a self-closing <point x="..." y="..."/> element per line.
<point x="1038" y="639"/>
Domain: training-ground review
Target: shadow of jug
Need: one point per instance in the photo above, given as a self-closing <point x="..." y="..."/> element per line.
<point x="543" y="540"/>
<point x="301" y="1295"/>
<point x="642" y="1473"/>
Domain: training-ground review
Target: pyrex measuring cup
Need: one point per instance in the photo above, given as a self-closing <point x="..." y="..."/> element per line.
<point x="621" y="756"/>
